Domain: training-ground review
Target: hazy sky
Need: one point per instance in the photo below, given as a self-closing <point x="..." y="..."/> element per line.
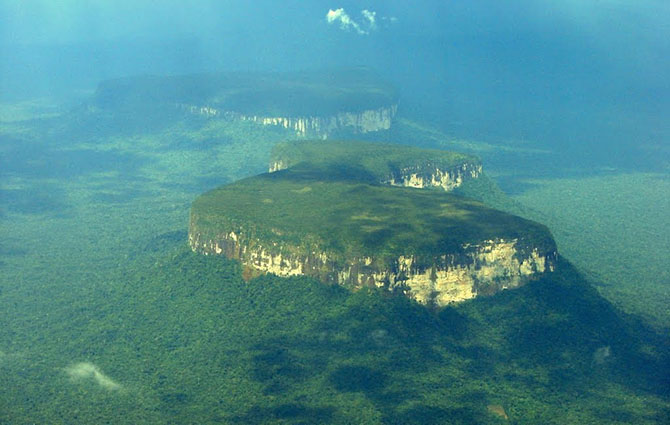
<point x="506" y="46"/>
<point x="30" y="21"/>
<point x="267" y="33"/>
<point x="633" y="30"/>
<point x="579" y="71"/>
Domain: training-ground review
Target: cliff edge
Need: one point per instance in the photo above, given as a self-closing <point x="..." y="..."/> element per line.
<point x="379" y="163"/>
<point x="312" y="104"/>
<point x="340" y="228"/>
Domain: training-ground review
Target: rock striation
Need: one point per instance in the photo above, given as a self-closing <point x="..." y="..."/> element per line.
<point x="361" y="122"/>
<point x="474" y="269"/>
<point x="448" y="178"/>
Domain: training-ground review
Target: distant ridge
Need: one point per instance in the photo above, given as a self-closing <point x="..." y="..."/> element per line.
<point x="316" y="103"/>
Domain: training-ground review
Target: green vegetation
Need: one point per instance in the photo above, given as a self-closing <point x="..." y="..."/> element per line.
<point x="487" y="191"/>
<point x="371" y="162"/>
<point x="94" y="268"/>
<point x="614" y="228"/>
<point x="317" y="93"/>
<point x="189" y="341"/>
<point x="320" y="208"/>
<point x="611" y="223"/>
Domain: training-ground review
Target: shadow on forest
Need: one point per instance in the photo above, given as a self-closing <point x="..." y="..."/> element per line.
<point x="330" y="172"/>
<point x="35" y="200"/>
<point x="556" y="325"/>
<point x="293" y="413"/>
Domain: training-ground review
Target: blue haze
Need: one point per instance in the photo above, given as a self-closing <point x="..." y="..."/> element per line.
<point x="581" y="86"/>
<point x="591" y="78"/>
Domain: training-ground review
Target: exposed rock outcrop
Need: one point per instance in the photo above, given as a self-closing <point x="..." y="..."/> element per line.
<point x="311" y="126"/>
<point x="352" y="122"/>
<point x="421" y="176"/>
<point x="386" y="164"/>
<point x="475" y="269"/>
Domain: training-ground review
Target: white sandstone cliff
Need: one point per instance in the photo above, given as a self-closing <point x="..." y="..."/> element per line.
<point x="311" y="126"/>
<point x="477" y="269"/>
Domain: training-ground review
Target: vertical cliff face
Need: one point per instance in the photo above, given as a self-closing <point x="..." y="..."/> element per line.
<point x="277" y="165"/>
<point x="311" y="126"/>
<point x="419" y="176"/>
<point x="475" y="269"/>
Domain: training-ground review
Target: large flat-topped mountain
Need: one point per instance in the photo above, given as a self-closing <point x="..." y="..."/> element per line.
<point x="432" y="246"/>
<point x="379" y="163"/>
<point x="310" y="103"/>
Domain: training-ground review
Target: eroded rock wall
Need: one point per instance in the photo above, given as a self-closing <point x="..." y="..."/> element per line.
<point x="354" y="122"/>
<point x="477" y="269"/>
<point x="434" y="176"/>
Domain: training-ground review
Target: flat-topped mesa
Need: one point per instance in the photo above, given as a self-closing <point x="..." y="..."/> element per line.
<point x="380" y="163"/>
<point x="432" y="246"/>
<point x="312" y="104"/>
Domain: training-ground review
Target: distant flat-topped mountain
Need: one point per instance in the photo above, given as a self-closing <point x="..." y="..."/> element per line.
<point x="379" y="163"/>
<point x="343" y="223"/>
<point x="316" y="104"/>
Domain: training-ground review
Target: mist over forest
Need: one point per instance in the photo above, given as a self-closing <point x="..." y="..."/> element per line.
<point x="384" y="212"/>
<point x="563" y="74"/>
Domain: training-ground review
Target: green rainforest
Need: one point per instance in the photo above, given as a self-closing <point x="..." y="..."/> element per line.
<point x="258" y="223"/>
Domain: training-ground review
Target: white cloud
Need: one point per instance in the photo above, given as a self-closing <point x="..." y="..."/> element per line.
<point x="91" y="372"/>
<point x="346" y="22"/>
<point x="363" y="26"/>
<point x="371" y="17"/>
